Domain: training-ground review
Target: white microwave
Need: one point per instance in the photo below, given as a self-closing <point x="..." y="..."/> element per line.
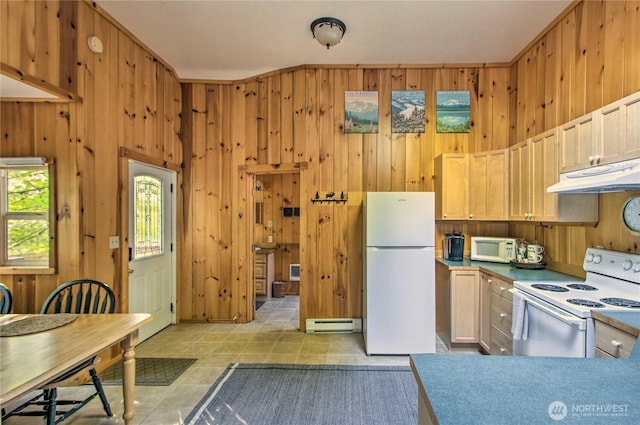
<point x="497" y="250"/>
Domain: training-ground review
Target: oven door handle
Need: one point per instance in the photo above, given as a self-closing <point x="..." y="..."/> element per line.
<point x="555" y="312"/>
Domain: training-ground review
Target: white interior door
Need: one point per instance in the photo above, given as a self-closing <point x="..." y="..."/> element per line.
<point x="151" y="240"/>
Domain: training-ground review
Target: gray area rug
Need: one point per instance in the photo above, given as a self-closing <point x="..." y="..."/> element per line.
<point x="269" y="394"/>
<point x="149" y="371"/>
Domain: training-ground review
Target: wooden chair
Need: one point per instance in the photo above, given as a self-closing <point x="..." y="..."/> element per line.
<point x="5" y="299"/>
<point x="84" y="296"/>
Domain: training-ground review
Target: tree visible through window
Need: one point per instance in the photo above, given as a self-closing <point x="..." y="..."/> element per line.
<point x="25" y="204"/>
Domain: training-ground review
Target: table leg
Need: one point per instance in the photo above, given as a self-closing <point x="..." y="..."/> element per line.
<point x="129" y="376"/>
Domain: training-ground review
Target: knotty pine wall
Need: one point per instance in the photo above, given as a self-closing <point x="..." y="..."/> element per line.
<point x="130" y="106"/>
<point x="588" y="58"/>
<point x="132" y="100"/>
<point x="295" y="116"/>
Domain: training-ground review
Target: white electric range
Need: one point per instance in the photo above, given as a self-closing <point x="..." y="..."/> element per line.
<point x="554" y="318"/>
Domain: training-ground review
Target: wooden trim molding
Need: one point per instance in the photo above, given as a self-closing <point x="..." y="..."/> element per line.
<point x="61" y="95"/>
<point x="273" y="168"/>
<point x="128" y="153"/>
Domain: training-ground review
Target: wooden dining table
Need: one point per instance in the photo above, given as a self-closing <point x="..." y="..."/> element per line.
<point x="29" y="361"/>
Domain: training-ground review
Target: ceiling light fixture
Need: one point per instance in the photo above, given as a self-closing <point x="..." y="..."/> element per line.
<point x="328" y="31"/>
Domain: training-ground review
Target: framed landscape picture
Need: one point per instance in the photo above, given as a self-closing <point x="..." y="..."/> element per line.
<point x="360" y="111"/>
<point x="453" y="112"/>
<point x="407" y="111"/>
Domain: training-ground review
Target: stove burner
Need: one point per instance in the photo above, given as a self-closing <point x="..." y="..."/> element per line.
<point x="582" y="287"/>
<point x="621" y="302"/>
<point x="548" y="287"/>
<point x="585" y="303"/>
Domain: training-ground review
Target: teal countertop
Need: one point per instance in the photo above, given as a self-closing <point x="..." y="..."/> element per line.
<point x="510" y="272"/>
<point x="465" y="389"/>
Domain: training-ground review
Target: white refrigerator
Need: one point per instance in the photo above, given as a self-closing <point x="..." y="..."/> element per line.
<point x="399" y="273"/>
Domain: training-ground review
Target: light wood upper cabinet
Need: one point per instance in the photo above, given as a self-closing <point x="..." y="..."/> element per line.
<point x="519" y="181"/>
<point x="609" y="134"/>
<point x="452" y="186"/>
<point x="472" y="186"/>
<point x="489" y="187"/>
<point x="465" y="306"/>
<point x="534" y="167"/>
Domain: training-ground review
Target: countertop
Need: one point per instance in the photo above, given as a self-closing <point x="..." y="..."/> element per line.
<point x="466" y="389"/>
<point x="508" y="271"/>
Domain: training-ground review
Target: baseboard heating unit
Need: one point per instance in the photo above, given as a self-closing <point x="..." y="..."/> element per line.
<point x="334" y="325"/>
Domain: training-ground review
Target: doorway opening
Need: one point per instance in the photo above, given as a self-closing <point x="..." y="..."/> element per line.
<point x="152" y="257"/>
<point x="275" y="244"/>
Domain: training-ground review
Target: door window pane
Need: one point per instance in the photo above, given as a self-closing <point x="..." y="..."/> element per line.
<point x="148" y="217"/>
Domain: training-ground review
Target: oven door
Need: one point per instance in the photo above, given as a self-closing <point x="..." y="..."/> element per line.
<point x="550" y="331"/>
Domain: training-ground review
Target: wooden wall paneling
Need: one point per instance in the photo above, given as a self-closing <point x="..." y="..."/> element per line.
<point x="344" y="289"/>
<point x="251" y="121"/>
<point x="429" y="148"/>
<point x="310" y="275"/>
<point x="241" y="265"/>
<point x="565" y="102"/>
<point x="579" y="53"/>
<point x="224" y="304"/>
<point x="501" y="109"/>
<point x="263" y="108"/>
<point x="299" y="115"/>
<point x="538" y="124"/>
<point x="47" y="34"/>
<point x="186" y="291"/>
<point x="201" y="281"/>
<point x="70" y="239"/>
<point x="595" y="16"/>
<point x="23" y="14"/>
<point x="551" y="76"/>
<point x="210" y="207"/>
<point x="369" y="141"/>
<point x="514" y="73"/>
<point x="354" y="141"/>
<point x="326" y="217"/>
<point x="5" y="28"/>
<point x="483" y="122"/>
<point x="286" y="117"/>
<point x="631" y="78"/>
<point x="613" y="59"/>
<point x="397" y="141"/>
<point x="414" y="141"/>
<point x="384" y="158"/>
<point x="68" y="25"/>
<point x="126" y="76"/>
<point x="18" y="140"/>
<point x="274" y="102"/>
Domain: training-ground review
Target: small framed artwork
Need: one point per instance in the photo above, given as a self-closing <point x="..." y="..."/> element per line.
<point x="407" y="111"/>
<point x="360" y="111"/>
<point x="453" y="112"/>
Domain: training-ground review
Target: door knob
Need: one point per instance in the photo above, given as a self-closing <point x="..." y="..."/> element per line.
<point x="130" y="271"/>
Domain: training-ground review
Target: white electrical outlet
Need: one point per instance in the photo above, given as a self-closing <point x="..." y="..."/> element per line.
<point x="114" y="242"/>
<point x="270" y="238"/>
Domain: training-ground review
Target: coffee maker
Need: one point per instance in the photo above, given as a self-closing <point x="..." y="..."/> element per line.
<point x="453" y="246"/>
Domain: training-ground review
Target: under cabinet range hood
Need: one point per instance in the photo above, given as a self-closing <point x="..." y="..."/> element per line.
<point x="615" y="177"/>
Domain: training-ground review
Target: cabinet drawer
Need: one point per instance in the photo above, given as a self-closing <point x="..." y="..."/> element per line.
<point x="261" y="286"/>
<point x="501" y="312"/>
<point x="260" y="270"/>
<point x="501" y="344"/>
<point x="501" y="288"/>
<point x="613" y="340"/>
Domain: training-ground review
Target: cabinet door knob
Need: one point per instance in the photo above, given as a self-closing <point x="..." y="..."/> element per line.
<point x="616" y="344"/>
<point x="444" y="215"/>
<point x="489" y="281"/>
<point x="502" y="350"/>
<point x="470" y="215"/>
<point x="503" y="315"/>
<point x="591" y="158"/>
<point x="502" y="288"/>
<point x="597" y="159"/>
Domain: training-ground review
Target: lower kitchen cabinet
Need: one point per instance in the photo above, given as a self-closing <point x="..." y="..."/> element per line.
<point x="264" y="273"/>
<point x="465" y="306"/>
<point x="612" y="342"/>
<point x="486" y="280"/>
<point x="501" y="301"/>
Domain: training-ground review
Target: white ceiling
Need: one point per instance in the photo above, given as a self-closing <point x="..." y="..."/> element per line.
<point x="229" y="40"/>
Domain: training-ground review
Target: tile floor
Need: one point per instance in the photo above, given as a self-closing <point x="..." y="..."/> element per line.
<point x="272" y="338"/>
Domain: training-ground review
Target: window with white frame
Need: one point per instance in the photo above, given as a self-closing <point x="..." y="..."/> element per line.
<point x="25" y="204"/>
